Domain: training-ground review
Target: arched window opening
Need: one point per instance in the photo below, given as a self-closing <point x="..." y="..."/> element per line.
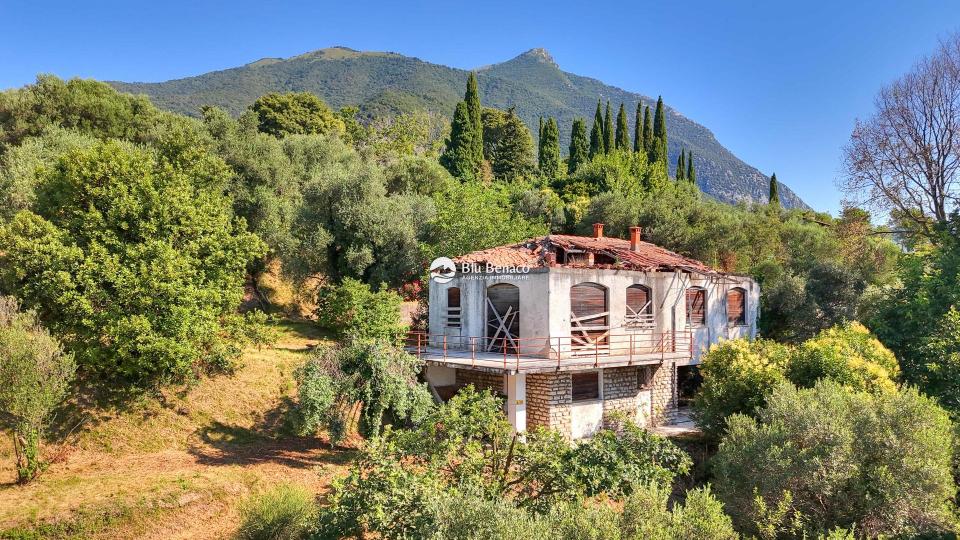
<point x="503" y="317"/>
<point x="639" y="312"/>
<point x="696" y="306"/>
<point x="453" y="307"/>
<point x="737" y="307"/>
<point x="589" y="317"/>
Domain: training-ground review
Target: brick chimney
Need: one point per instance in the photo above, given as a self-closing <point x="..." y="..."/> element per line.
<point x="598" y="230"/>
<point x="635" y="238"/>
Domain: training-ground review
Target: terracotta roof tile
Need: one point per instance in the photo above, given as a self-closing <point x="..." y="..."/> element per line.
<point x="532" y="253"/>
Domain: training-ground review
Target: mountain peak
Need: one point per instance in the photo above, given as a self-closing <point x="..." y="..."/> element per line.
<point x="540" y="55"/>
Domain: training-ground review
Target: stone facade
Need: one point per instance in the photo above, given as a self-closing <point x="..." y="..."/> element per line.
<point x="481" y="380"/>
<point x="619" y="394"/>
<point x="548" y="401"/>
<point x="664" y="389"/>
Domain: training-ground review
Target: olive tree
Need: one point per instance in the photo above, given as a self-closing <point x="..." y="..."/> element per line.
<point x="36" y="373"/>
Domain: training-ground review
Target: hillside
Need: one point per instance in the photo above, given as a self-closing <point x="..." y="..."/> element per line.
<point x="387" y="83"/>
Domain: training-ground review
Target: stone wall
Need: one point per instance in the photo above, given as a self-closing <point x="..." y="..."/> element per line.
<point x="664" y="393"/>
<point x="619" y="394"/>
<point x="481" y="380"/>
<point x="548" y="401"/>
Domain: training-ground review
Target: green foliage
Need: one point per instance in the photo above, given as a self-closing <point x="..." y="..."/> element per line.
<point x="879" y="462"/>
<point x="681" y="169"/>
<point x="579" y="146"/>
<point x="416" y="175"/>
<point x="621" y="140"/>
<point x="774" y="199"/>
<point x="608" y="142"/>
<point x="509" y="145"/>
<point x="295" y="113"/>
<point x="620" y="173"/>
<point x="475" y="112"/>
<point x="691" y="170"/>
<point x="458" y="158"/>
<point x="36" y="374"/>
<point x="378" y="375"/>
<point x="549" y="155"/>
<point x="647" y="131"/>
<point x="354" y="312"/>
<point x="285" y="512"/>
<point x="847" y="354"/>
<point x="738" y="375"/>
<point x="638" y="129"/>
<point x="659" y="144"/>
<point x="596" y="133"/>
<point x="135" y="259"/>
<point x="936" y="366"/>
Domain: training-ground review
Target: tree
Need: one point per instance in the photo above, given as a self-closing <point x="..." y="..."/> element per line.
<point x="681" y="167"/>
<point x="647" y="131"/>
<point x="134" y="258"/>
<point x="596" y="133"/>
<point x="352" y="311"/>
<point x="847" y="354"/>
<point x="659" y="144"/>
<point x="906" y="157"/>
<point x="638" y="129"/>
<point x="622" y="139"/>
<point x="475" y="113"/>
<point x="774" y="199"/>
<point x="459" y="157"/>
<point x="295" y="113"/>
<point x="691" y="170"/>
<point x="36" y="373"/>
<point x="550" y="149"/>
<point x="876" y="462"/>
<point x="511" y="154"/>
<point x="608" y="141"/>
<point x="579" y="151"/>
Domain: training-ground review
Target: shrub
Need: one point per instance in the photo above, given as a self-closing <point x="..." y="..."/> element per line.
<point x="354" y="312"/>
<point x="36" y="374"/>
<point x="737" y="377"/>
<point x="377" y="375"/>
<point x="283" y="513"/>
<point x="879" y="462"/>
<point x="847" y="354"/>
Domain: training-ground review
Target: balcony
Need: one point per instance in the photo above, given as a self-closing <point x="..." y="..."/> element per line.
<point x="550" y="354"/>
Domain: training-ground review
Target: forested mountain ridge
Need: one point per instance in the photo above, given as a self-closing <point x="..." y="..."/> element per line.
<point x="386" y="83"/>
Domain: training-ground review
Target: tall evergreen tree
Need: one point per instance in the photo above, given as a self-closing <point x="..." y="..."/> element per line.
<point x="608" y="131"/>
<point x="540" y="141"/>
<point x="647" y="131"/>
<point x="659" y="135"/>
<point x="596" y="133"/>
<point x="512" y="157"/>
<point x="458" y="158"/>
<point x="550" y="149"/>
<point x="475" y="112"/>
<point x="681" y="168"/>
<point x="540" y="132"/>
<point x="691" y="170"/>
<point x="579" y="146"/>
<point x="774" y="191"/>
<point x="638" y="129"/>
<point x="622" y="139"/>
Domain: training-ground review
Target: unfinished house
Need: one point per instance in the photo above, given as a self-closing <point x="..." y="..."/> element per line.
<point x="572" y="329"/>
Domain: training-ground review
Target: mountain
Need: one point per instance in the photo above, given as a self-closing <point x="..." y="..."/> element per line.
<point x="387" y="83"/>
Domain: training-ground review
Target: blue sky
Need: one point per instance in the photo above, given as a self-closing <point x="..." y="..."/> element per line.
<point x="779" y="83"/>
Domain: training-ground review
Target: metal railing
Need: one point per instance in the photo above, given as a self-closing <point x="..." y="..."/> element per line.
<point x="527" y="353"/>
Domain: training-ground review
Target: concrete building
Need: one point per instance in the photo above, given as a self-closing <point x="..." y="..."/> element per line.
<point x="573" y="329"/>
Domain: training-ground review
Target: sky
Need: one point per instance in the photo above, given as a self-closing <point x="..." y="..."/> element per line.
<point x="779" y="83"/>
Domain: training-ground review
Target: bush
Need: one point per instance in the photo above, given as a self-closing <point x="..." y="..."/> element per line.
<point x="876" y="462"/>
<point x="284" y="513"/>
<point x="847" y="354"/>
<point x="737" y="377"/>
<point x="36" y="374"/>
<point x="354" y="312"/>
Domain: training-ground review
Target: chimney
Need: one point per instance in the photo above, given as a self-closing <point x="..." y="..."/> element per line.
<point x="635" y="238"/>
<point x="551" y="258"/>
<point x="598" y="230"/>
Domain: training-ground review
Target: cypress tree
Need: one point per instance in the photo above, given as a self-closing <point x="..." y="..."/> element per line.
<point x="638" y="129"/>
<point x="550" y="149"/>
<point x="691" y="170"/>
<point x="579" y="146"/>
<point x="774" y="191"/>
<point x="596" y="133"/>
<point x="608" y="131"/>
<point x="622" y="139"/>
<point x="647" y="131"/>
<point x="680" y="166"/>
<point x="540" y="141"/>
<point x="475" y="113"/>
<point x="659" y="134"/>
<point x="458" y="158"/>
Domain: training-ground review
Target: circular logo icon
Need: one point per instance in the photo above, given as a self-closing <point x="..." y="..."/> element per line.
<point x="442" y="270"/>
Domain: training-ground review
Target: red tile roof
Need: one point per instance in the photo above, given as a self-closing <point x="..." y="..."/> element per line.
<point x="533" y="252"/>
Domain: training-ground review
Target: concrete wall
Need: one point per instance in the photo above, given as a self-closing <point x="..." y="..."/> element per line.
<point x="716" y="328"/>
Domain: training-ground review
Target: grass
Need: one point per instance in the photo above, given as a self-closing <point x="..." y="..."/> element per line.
<point x="178" y="465"/>
<point x="283" y="513"/>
